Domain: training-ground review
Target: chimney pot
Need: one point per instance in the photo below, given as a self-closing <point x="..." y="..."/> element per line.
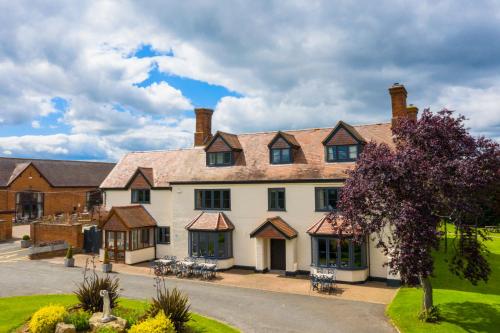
<point x="398" y="101"/>
<point x="203" y="132"/>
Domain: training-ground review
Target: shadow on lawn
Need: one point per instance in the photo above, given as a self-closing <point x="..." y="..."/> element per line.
<point x="472" y="316"/>
<point x="452" y="282"/>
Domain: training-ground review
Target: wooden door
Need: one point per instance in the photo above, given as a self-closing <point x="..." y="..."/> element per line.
<point x="278" y="254"/>
<point x="116" y="245"/>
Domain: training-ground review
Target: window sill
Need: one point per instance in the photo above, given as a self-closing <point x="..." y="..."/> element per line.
<point x="214" y="209"/>
<point x="342" y="269"/>
<point x="162" y="243"/>
<point x="212" y="258"/>
<point x="143" y="248"/>
<point x="141" y="203"/>
<point x="276" y="210"/>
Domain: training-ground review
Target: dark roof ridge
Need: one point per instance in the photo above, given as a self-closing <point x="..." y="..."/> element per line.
<point x="313" y="128"/>
<point x="26" y="159"/>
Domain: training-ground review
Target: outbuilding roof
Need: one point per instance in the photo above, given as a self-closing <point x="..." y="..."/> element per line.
<point x="253" y="165"/>
<point x="58" y="173"/>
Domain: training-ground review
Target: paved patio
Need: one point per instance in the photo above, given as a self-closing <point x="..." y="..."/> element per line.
<point x="371" y="292"/>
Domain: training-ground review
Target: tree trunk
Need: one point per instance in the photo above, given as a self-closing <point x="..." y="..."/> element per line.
<point x="427" y="301"/>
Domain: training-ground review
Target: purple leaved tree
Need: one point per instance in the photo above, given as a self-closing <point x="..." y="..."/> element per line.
<point x="436" y="174"/>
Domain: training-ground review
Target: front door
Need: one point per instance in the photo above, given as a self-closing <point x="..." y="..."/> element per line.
<point x="29" y="205"/>
<point x="278" y="254"/>
<point x="116" y="245"/>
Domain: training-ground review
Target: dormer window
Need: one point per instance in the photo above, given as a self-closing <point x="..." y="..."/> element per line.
<point x="282" y="148"/>
<point x="342" y="153"/>
<point x="220" y="158"/>
<point x="223" y="149"/>
<point x="343" y="144"/>
<point x="281" y="155"/>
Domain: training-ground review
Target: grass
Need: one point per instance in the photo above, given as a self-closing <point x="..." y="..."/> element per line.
<point x="15" y="311"/>
<point x="464" y="307"/>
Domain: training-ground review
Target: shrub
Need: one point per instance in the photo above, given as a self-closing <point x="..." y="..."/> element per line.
<point x="106" y="257"/>
<point x="132" y="316"/>
<point x="69" y="253"/>
<point x="26" y="238"/>
<point x="433" y="315"/>
<point x="46" y="319"/>
<point x="105" y="329"/>
<point x="88" y="292"/>
<point x="159" y="324"/>
<point x="172" y="303"/>
<point x="79" y="318"/>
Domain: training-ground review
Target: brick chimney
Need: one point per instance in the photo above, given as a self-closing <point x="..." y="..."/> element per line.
<point x="203" y="131"/>
<point x="398" y="100"/>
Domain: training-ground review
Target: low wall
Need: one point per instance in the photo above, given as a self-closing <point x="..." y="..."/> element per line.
<point x="41" y="232"/>
<point x="5" y="229"/>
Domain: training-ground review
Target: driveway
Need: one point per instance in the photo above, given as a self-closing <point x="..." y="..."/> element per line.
<point x="249" y="310"/>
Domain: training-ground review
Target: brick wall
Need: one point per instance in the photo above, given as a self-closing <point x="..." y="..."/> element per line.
<point x="56" y="200"/>
<point x="49" y="232"/>
<point x="5" y="229"/>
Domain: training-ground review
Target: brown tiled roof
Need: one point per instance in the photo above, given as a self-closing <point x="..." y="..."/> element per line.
<point x="278" y="224"/>
<point x="231" y="140"/>
<point x="57" y="172"/>
<point x="210" y="221"/>
<point x="132" y="217"/>
<point x="146" y="172"/>
<point x="189" y="165"/>
<point x="330" y="224"/>
<point x="288" y="137"/>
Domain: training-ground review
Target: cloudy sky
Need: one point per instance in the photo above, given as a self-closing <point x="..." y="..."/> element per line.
<point x="95" y="79"/>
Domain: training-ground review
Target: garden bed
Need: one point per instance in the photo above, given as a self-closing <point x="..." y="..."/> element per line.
<point x="16" y="311"/>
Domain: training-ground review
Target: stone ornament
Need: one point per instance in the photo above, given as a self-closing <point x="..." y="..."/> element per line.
<point x="106" y="308"/>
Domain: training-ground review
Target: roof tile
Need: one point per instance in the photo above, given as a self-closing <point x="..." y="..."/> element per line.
<point x="189" y="165"/>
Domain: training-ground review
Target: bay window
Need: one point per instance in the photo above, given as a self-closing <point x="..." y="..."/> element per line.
<point x="211" y="244"/>
<point x="334" y="252"/>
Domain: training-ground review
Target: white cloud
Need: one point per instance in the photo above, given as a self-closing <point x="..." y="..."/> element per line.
<point x="480" y="106"/>
<point x="35" y="124"/>
<point x="294" y="64"/>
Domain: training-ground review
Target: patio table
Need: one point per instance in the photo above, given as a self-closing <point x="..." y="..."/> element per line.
<point x="187" y="263"/>
<point x="164" y="261"/>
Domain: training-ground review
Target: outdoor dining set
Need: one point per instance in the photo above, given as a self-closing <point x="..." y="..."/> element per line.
<point x="188" y="267"/>
<point x="323" y="279"/>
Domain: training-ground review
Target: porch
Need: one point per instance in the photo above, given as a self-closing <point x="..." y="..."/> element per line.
<point x="128" y="235"/>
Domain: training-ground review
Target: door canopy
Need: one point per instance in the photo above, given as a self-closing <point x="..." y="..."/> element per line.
<point x="274" y="227"/>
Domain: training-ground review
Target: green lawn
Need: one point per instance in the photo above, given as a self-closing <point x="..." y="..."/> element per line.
<point x="16" y="310"/>
<point x="464" y="307"/>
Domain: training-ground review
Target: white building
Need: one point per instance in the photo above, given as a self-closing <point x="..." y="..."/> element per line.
<point x="260" y="201"/>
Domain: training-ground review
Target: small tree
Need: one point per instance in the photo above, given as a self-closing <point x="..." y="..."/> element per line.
<point x="69" y="253"/>
<point x="437" y="173"/>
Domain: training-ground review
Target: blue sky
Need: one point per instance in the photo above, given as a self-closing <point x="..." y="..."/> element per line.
<point x="106" y="78"/>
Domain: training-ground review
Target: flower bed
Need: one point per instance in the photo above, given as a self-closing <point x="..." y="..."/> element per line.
<point x="16" y="312"/>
